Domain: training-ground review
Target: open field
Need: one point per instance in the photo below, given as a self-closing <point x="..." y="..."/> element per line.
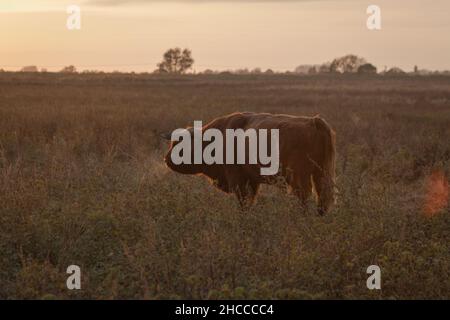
<point x="82" y="182"/>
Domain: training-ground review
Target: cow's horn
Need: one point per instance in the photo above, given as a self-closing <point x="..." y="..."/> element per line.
<point x="165" y="135"/>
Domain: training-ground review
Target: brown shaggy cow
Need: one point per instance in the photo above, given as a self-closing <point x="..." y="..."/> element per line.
<point x="306" y="150"/>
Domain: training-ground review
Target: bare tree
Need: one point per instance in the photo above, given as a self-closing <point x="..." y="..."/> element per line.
<point x="347" y="64"/>
<point x="176" y="61"/>
<point x="324" y="68"/>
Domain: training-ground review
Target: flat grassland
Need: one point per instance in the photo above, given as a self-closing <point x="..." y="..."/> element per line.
<point x="82" y="182"/>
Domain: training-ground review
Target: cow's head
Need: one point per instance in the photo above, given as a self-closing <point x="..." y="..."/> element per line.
<point x="184" y="168"/>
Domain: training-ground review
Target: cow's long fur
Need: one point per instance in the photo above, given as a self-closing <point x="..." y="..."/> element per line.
<point x="307" y="158"/>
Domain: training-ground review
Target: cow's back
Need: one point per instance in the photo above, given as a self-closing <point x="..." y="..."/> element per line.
<point x="296" y="137"/>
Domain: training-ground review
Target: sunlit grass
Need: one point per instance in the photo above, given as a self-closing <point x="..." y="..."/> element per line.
<point x="82" y="182"/>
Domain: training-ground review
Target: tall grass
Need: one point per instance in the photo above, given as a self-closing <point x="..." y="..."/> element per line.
<point x="82" y="182"/>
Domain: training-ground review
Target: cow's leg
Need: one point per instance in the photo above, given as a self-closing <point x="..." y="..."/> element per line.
<point x="302" y="187"/>
<point x="325" y="189"/>
<point x="243" y="186"/>
<point x="246" y="193"/>
<point x="305" y="188"/>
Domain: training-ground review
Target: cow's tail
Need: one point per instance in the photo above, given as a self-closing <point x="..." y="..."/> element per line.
<point x="324" y="176"/>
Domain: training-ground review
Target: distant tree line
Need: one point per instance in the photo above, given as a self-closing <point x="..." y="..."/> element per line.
<point x="348" y="64"/>
<point x="180" y="61"/>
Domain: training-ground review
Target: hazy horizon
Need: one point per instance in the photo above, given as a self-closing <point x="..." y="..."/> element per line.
<point x="132" y="35"/>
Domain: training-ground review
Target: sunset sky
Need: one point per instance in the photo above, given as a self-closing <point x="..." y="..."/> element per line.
<point x="131" y="35"/>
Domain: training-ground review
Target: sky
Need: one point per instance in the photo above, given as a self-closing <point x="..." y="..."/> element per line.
<point x="132" y="35"/>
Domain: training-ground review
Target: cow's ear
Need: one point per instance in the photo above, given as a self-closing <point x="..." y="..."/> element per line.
<point x="166" y="135"/>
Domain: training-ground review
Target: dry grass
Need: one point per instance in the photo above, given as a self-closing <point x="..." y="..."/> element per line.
<point x="82" y="182"/>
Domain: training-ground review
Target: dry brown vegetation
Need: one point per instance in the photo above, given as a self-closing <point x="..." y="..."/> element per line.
<point x="82" y="182"/>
